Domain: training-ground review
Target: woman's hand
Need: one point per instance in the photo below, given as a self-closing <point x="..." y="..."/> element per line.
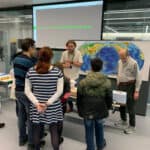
<point x="41" y="107"/>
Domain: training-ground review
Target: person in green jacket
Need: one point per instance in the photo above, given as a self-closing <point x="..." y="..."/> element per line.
<point x="93" y="101"/>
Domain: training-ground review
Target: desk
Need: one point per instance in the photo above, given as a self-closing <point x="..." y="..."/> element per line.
<point x="5" y="81"/>
<point x="73" y="92"/>
<point x="73" y="116"/>
<point x="141" y="106"/>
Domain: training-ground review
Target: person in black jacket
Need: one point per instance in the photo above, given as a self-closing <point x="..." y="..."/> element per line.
<point x="64" y="97"/>
<point x="93" y="101"/>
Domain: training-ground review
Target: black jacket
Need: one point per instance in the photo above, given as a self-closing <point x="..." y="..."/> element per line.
<point x="94" y="96"/>
<point x="66" y="87"/>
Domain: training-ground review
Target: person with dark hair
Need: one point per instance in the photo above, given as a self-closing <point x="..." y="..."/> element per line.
<point x="128" y="80"/>
<point x="93" y="101"/>
<point x="71" y="60"/>
<point x="64" y="97"/>
<point x="21" y="65"/>
<point x="14" y="56"/>
<point x="12" y="90"/>
<point x="66" y="90"/>
<point x="27" y="43"/>
<point x="44" y="86"/>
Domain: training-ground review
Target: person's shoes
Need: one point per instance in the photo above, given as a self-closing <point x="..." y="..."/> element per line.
<point x="103" y="146"/>
<point x="22" y="143"/>
<point x="121" y="124"/>
<point x="30" y="147"/>
<point x="104" y="143"/>
<point x="61" y="140"/>
<point x="44" y="135"/>
<point x="42" y="143"/>
<point x="129" y="130"/>
<point x="2" y="125"/>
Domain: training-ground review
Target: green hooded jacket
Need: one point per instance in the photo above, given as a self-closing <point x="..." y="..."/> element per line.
<point x="94" y="96"/>
<point x="95" y="84"/>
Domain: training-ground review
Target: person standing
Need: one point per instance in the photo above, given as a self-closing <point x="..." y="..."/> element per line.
<point x="12" y="88"/>
<point x="44" y="86"/>
<point x="128" y="80"/>
<point x="64" y="97"/>
<point x="21" y="65"/>
<point x="93" y="101"/>
<point x="71" y="60"/>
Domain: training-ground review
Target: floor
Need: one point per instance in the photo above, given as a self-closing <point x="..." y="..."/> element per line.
<point x="74" y="133"/>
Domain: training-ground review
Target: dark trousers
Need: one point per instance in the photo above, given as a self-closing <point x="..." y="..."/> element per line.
<point x="130" y="105"/>
<point x="64" y="107"/>
<point x="54" y="129"/>
<point x="24" y="124"/>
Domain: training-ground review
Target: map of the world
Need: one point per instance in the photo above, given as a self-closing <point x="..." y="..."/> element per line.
<point x="108" y="53"/>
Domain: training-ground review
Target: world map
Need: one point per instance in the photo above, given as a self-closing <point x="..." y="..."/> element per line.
<point x="108" y="53"/>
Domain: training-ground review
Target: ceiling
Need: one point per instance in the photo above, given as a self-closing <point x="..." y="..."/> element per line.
<point x="17" y="3"/>
<point x="127" y="16"/>
<point x="109" y="4"/>
<point x="134" y="20"/>
<point x="19" y="8"/>
<point x="120" y="16"/>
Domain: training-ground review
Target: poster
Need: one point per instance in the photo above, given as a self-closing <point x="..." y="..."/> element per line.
<point x="107" y="51"/>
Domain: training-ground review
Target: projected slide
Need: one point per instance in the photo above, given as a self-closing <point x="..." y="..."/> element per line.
<point x="107" y="51"/>
<point x="53" y="25"/>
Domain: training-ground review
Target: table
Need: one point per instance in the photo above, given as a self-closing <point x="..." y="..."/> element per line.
<point x="5" y="81"/>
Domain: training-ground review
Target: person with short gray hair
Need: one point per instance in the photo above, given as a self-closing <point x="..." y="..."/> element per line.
<point x="128" y="80"/>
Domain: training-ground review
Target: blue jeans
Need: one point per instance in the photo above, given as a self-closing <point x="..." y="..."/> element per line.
<point x="90" y="126"/>
<point x="24" y="124"/>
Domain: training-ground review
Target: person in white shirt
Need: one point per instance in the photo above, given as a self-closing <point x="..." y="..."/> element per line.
<point x="71" y="60"/>
<point x="128" y="80"/>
